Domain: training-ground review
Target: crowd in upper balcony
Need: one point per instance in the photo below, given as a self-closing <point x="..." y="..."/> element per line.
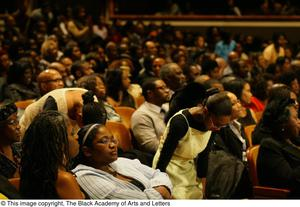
<point x="213" y="7"/>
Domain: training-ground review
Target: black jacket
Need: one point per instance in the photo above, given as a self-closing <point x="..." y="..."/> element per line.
<point x="278" y="165"/>
<point x="226" y="140"/>
<point x="226" y="137"/>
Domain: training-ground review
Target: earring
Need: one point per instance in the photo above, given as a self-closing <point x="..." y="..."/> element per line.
<point x="282" y="130"/>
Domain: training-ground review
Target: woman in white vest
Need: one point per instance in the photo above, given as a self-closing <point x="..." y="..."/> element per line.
<point x="194" y="113"/>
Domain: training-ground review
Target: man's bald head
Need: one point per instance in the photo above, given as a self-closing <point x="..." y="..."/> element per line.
<point x="49" y="80"/>
<point x="150" y="48"/>
<point x="233" y="56"/>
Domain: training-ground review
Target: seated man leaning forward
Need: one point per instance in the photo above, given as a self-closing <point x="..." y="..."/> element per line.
<point x="66" y="100"/>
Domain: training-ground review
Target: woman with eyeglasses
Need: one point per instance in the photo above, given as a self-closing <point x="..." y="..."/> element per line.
<point x="102" y="175"/>
<point x="10" y="135"/>
<point x="192" y="116"/>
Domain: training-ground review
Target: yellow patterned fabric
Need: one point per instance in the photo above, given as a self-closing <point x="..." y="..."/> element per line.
<point x="182" y="166"/>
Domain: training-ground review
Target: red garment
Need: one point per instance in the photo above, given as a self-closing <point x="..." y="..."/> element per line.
<point x="256" y="105"/>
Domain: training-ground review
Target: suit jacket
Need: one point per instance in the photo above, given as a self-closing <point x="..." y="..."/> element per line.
<point x="278" y="165"/>
<point x="226" y="138"/>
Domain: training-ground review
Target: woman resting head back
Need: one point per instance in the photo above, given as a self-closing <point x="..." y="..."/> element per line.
<point x="48" y="145"/>
<point x="98" y="147"/>
<point x="121" y="178"/>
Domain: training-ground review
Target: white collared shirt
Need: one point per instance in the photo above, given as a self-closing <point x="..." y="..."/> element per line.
<point x="147" y="125"/>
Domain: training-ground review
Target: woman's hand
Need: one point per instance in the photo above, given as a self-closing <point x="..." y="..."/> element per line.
<point x="164" y="192"/>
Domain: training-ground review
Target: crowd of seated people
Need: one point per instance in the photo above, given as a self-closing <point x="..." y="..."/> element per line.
<point x="214" y="7"/>
<point x="188" y="94"/>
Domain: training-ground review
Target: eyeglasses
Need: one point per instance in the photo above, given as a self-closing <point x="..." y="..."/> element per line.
<point x="107" y="140"/>
<point x="12" y="122"/>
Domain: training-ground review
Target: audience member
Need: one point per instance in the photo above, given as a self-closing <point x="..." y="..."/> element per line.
<point x="278" y="159"/>
<point x="59" y="67"/>
<point x="9" y="149"/>
<point x="47" y="147"/>
<point x="80" y="27"/>
<point x="113" y="177"/>
<point x="232" y="139"/>
<point x="187" y="134"/>
<point x="65" y="100"/>
<point x="261" y="87"/>
<point x="80" y="69"/>
<point x="147" y="71"/>
<point x="118" y="83"/>
<point x="70" y="79"/>
<point x="173" y="76"/>
<point x="225" y="46"/>
<point x="191" y="72"/>
<point x="49" y="80"/>
<point x="73" y="51"/>
<point x="20" y="83"/>
<point x="276" y="49"/>
<point x="49" y="53"/>
<point x="95" y="83"/>
<point x="212" y="69"/>
<point x="147" y="122"/>
<point x="263" y="128"/>
<point x="242" y="90"/>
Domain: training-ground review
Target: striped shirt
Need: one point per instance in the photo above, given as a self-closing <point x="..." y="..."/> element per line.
<point x="102" y="185"/>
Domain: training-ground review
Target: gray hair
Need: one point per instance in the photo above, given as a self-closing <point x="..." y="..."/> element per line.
<point x="166" y="71"/>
